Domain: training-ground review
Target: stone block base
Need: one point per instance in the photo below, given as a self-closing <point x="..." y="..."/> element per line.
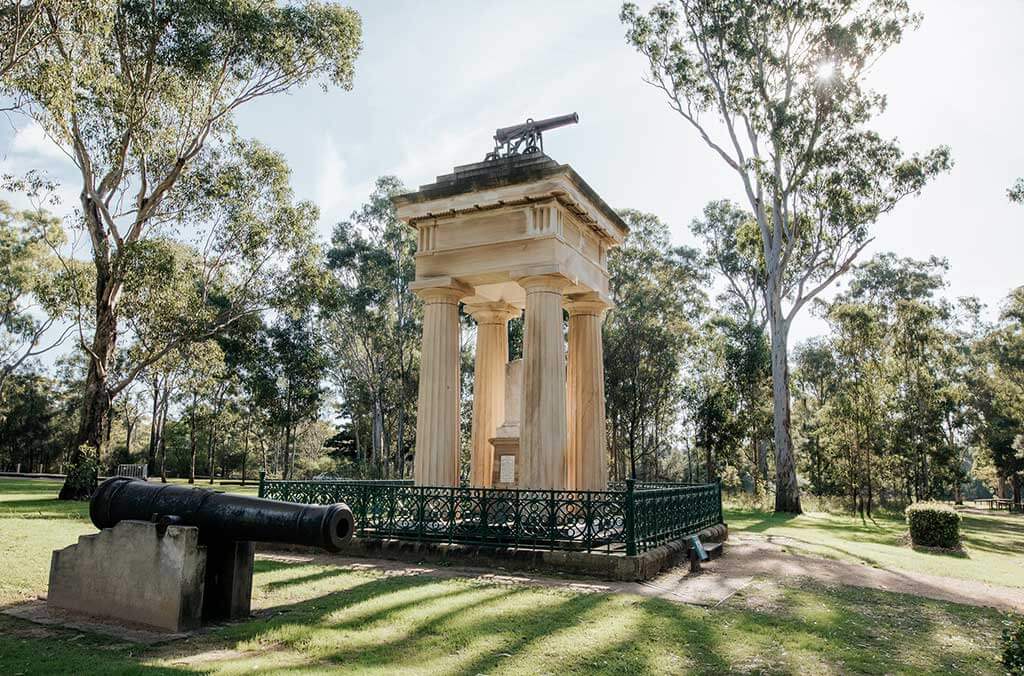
<point x="130" y="573"/>
<point x="618" y="567"/>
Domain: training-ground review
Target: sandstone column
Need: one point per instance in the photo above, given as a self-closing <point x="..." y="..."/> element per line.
<point x="587" y="457"/>
<point x="488" y="385"/>
<point x="542" y="441"/>
<point x="437" y="416"/>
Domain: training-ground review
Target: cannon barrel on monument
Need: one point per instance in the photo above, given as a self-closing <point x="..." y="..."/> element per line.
<point x="505" y="134"/>
<point x="221" y="516"/>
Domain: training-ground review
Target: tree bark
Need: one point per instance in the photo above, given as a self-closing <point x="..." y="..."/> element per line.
<point x="94" y="419"/>
<point x="94" y="415"/>
<point x="192" y="440"/>
<point x="153" y="437"/>
<point x="787" y="491"/>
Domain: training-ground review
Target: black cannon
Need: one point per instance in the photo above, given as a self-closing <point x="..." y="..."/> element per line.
<point x="526" y="138"/>
<point x="228" y="525"/>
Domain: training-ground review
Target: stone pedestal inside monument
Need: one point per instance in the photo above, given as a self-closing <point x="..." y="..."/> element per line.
<point x="505" y="442"/>
<point x="506" y="236"/>
<point x="130" y="573"/>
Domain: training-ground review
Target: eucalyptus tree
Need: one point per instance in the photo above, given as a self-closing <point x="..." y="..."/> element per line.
<point x="34" y="289"/>
<point x="815" y="379"/>
<point x="142" y="97"/>
<point x="856" y="414"/>
<point x="1016" y="191"/>
<point x="998" y="392"/>
<point x="777" y="92"/>
<point x="922" y="366"/>
<point x="657" y="289"/>
<point x="299" y="363"/>
<point x="732" y="247"/>
<point x="27" y="27"/>
<point x="374" y="323"/>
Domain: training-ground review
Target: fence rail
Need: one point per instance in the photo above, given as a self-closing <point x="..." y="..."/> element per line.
<point x="630" y="519"/>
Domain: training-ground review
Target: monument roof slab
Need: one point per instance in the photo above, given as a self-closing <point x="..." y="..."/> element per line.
<point x="513" y="180"/>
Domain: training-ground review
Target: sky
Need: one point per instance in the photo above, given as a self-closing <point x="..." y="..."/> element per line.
<point x="436" y="78"/>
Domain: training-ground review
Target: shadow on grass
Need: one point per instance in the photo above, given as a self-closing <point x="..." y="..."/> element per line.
<point x="424" y="624"/>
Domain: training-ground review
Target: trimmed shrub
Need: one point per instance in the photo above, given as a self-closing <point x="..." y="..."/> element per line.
<point x="1013" y="646"/>
<point x="933" y="524"/>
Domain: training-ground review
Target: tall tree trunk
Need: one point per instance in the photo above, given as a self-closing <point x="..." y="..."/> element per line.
<point x="377" y="437"/>
<point x="94" y="414"/>
<point x="192" y="440"/>
<point x="286" y="470"/>
<point x="210" y="448"/>
<point x="153" y="438"/>
<point x="90" y="440"/>
<point x="787" y="491"/>
<point x="245" y="444"/>
<point x="129" y="427"/>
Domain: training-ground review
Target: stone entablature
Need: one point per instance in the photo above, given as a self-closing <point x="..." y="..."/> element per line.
<point x="521" y="233"/>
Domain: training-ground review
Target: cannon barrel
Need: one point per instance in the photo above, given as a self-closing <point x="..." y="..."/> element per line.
<point x="222" y="516"/>
<point x="504" y="134"/>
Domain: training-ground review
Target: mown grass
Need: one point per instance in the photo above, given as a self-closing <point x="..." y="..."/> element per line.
<point x="314" y="618"/>
<point x="993" y="542"/>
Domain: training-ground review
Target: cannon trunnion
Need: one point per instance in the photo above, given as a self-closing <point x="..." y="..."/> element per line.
<point x="228" y="525"/>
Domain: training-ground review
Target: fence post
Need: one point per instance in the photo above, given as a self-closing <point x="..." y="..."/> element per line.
<point x="552" y="520"/>
<point x="718" y="484"/>
<point x="630" y="518"/>
<point x="262" y="492"/>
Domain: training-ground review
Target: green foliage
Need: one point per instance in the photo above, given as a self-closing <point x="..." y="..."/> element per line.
<point x="778" y="92"/>
<point x="1016" y="191"/>
<point x="37" y="288"/>
<point x="142" y="96"/>
<point x="657" y="291"/>
<point x="1013" y="645"/>
<point x="82" y="476"/>
<point x="882" y="401"/>
<point x="933" y="524"/>
<point x="373" y="321"/>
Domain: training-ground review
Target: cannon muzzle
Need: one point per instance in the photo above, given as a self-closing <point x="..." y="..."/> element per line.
<point x="221" y="516"/>
<point x="505" y="134"/>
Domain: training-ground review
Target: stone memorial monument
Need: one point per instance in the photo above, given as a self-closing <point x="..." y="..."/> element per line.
<point x="517" y="232"/>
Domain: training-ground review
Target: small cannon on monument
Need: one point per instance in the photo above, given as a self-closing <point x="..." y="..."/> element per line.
<point x="526" y="138"/>
<point x="173" y="556"/>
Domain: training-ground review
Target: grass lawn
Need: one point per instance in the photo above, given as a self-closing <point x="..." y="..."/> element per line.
<point x="993" y="542"/>
<point x="314" y="618"/>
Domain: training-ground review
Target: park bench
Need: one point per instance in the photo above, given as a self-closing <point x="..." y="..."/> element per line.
<point x="133" y="471"/>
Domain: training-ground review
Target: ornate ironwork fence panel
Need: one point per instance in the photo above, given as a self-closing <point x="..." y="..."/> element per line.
<point x="627" y="520"/>
<point x="665" y="514"/>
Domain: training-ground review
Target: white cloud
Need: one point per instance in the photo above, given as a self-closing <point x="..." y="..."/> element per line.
<point x="32" y="140"/>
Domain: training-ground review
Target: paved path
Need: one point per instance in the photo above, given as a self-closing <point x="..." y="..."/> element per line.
<point x="746" y="556"/>
<point x="754" y="555"/>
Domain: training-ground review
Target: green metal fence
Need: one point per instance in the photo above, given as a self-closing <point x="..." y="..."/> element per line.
<point x="630" y="519"/>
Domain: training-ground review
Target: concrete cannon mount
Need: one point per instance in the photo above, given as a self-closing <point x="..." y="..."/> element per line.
<point x="131" y="573"/>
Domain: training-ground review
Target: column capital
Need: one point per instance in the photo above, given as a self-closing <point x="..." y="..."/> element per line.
<point x="494" y="312"/>
<point x="543" y="278"/>
<point x="587" y="304"/>
<point x="440" y="290"/>
<point x="553" y="283"/>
